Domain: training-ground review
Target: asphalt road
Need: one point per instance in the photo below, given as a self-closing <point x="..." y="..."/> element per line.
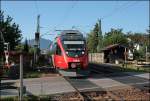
<point x="54" y="85"/>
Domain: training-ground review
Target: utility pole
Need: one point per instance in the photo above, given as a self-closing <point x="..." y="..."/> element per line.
<point x="1" y="61"/>
<point x="37" y="40"/>
<point x="146" y="55"/>
<point x="3" y="41"/>
<point x="125" y="57"/>
<point x="38" y="31"/>
<point x="100" y="29"/>
<point x="100" y="43"/>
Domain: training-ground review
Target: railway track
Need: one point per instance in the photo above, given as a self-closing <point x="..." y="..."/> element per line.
<point x="103" y="68"/>
<point x="79" y="97"/>
<point x="106" y="70"/>
<point x="85" y="94"/>
<point x="89" y="93"/>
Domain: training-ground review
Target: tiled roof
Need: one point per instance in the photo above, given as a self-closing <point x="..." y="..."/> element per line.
<point x="112" y="46"/>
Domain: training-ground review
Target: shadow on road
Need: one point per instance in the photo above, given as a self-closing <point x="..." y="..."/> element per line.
<point x="116" y="73"/>
<point x="7" y="85"/>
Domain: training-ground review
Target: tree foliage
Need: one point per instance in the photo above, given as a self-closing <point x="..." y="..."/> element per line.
<point x="92" y="42"/>
<point x="115" y="36"/>
<point x="10" y="31"/>
<point x="139" y="54"/>
<point x="95" y="38"/>
<point x="139" y="38"/>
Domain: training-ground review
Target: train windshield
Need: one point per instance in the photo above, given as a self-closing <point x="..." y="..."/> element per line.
<point x="74" y="45"/>
<point x="74" y="48"/>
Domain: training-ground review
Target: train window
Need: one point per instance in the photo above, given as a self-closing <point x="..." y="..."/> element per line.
<point x="53" y="47"/>
<point x="58" y="50"/>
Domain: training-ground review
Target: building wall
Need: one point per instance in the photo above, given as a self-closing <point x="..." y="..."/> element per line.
<point x="113" y="54"/>
<point x="96" y="57"/>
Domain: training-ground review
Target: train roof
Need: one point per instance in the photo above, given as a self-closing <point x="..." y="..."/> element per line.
<point x="71" y="34"/>
<point x="68" y="32"/>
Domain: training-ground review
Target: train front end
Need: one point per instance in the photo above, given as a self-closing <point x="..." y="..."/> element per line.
<point x="76" y="56"/>
<point x="71" y="51"/>
<point x="75" y="50"/>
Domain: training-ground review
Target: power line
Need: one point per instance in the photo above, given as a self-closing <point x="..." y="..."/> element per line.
<point x="120" y="8"/>
<point x="68" y="12"/>
<point x="116" y="9"/>
<point x="36" y="7"/>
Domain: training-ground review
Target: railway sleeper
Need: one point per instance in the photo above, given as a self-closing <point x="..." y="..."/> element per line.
<point x="103" y="70"/>
<point x="96" y="96"/>
<point x="72" y="96"/>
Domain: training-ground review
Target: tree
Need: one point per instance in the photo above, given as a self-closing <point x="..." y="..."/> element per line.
<point x="92" y="42"/>
<point x="139" y="38"/>
<point x="115" y="36"/>
<point x="139" y="54"/>
<point x="10" y="31"/>
<point x="19" y="47"/>
<point x="100" y="37"/>
<point x="95" y="39"/>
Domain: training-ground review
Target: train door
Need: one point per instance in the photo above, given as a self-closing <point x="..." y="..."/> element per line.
<point x="59" y="59"/>
<point x="52" y="50"/>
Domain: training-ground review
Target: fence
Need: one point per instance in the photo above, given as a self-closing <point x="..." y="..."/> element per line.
<point x="96" y="57"/>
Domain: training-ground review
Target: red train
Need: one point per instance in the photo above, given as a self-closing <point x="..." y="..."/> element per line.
<point x="69" y="51"/>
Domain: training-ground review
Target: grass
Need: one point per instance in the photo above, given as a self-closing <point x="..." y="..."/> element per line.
<point x="133" y="68"/>
<point x="27" y="98"/>
<point x="14" y="74"/>
<point x="128" y="68"/>
<point x="29" y="74"/>
<point x="32" y="74"/>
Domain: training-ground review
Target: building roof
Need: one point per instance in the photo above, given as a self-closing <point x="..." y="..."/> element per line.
<point x="64" y="32"/>
<point x="112" y="46"/>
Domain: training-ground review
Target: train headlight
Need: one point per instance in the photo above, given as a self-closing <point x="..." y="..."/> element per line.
<point x="82" y="52"/>
<point x="73" y="65"/>
<point x="66" y="52"/>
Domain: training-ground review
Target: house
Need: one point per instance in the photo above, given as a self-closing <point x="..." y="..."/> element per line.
<point x="114" y="53"/>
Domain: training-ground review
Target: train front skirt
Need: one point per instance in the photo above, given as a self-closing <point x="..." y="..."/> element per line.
<point x="74" y="72"/>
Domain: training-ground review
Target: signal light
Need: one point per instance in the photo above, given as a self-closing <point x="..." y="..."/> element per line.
<point x="37" y="36"/>
<point x="6" y="46"/>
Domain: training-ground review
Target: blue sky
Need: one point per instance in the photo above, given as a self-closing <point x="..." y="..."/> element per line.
<point x="129" y="15"/>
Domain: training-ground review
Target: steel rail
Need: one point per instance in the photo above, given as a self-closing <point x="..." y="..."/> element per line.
<point x="77" y="90"/>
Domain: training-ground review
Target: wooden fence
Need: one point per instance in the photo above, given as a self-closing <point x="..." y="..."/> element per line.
<point x="96" y="57"/>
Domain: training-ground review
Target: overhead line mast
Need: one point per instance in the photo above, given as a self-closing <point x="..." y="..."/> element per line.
<point x="37" y="40"/>
<point x="38" y="23"/>
<point x="37" y="33"/>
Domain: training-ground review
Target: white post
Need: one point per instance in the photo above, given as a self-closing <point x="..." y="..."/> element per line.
<point x="146" y="55"/>
<point x="126" y="57"/>
<point x="21" y="78"/>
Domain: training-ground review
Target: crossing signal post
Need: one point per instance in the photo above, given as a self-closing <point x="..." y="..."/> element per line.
<point x="6" y="51"/>
<point x="37" y="41"/>
<point x="6" y="46"/>
<point x="37" y="38"/>
<point x="36" y="45"/>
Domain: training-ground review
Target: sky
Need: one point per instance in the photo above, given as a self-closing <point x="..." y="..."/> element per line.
<point x="82" y="15"/>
